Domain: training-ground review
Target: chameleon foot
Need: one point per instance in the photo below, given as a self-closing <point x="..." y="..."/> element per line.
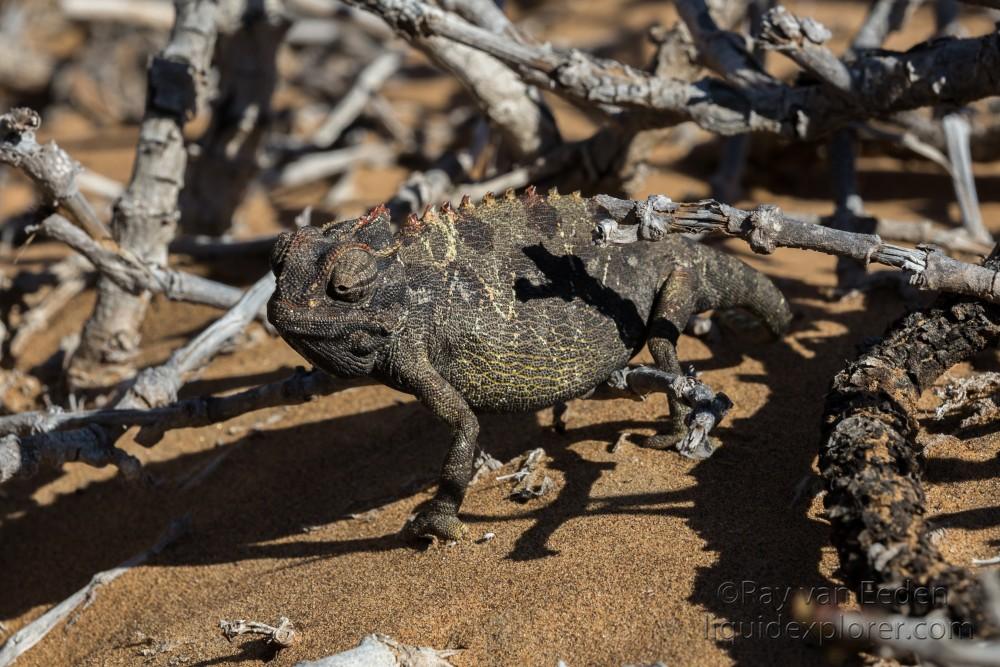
<point x="692" y="448"/>
<point x="428" y="525"/>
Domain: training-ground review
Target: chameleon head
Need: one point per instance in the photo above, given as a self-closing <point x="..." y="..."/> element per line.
<point x="340" y="295"/>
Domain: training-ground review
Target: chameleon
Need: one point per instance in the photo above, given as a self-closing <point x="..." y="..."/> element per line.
<point x="507" y="305"/>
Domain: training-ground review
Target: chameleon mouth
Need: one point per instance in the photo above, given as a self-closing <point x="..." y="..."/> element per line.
<point x="292" y="319"/>
<point x="333" y="357"/>
<point x="323" y="340"/>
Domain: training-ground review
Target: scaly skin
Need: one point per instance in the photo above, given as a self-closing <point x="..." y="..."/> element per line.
<point x="506" y="306"/>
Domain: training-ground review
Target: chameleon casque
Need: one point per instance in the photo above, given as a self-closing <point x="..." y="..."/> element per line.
<point x="505" y="306"/>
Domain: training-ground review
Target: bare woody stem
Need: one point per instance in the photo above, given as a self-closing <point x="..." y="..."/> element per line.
<point x="873" y="465"/>
<point x="511" y="104"/>
<point x="52" y="437"/>
<point x="299" y="387"/>
<point x="145" y="217"/>
<point x="51" y="168"/>
<point x="94" y="443"/>
<point x="766" y="228"/>
<point x="133" y="276"/>
<point x="953" y="70"/>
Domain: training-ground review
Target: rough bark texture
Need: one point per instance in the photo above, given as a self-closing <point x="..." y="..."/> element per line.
<point x="50" y="168"/>
<point x="146" y="215"/>
<point x="872" y="464"/>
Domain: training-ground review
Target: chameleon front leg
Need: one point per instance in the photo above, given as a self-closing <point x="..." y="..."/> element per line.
<point x="440" y="516"/>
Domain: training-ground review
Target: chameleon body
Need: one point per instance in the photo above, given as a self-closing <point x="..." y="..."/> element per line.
<point x="504" y="306"/>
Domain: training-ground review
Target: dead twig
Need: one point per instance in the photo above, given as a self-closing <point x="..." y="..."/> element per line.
<point x="72" y="278"/>
<point x="282" y="635"/>
<point x="975" y="398"/>
<point x="317" y="166"/>
<point x="952" y="70"/>
<point x="145" y="217"/>
<point x="957" y="134"/>
<point x="872" y="464"/>
<point x="530" y="480"/>
<point x="134" y="276"/>
<point x="300" y="387"/>
<point x="350" y="106"/>
<point x="225" y="159"/>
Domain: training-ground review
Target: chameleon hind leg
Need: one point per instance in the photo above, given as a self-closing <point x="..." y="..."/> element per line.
<point x="675" y="304"/>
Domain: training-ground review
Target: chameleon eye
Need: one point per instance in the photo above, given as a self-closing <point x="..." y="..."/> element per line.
<point x="352" y="277"/>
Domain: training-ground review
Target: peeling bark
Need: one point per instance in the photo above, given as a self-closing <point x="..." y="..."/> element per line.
<point x="872" y="464"/>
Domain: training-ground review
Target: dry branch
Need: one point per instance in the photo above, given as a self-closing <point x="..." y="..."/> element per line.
<point x="872" y="464"/>
<point x="72" y="277"/>
<point x="350" y="106"/>
<point x="317" y="166"/>
<point x="153" y="387"/>
<point x="801" y="40"/>
<point x="910" y="231"/>
<point x="50" y="436"/>
<point x="133" y="276"/>
<point x="25" y="638"/>
<point x="282" y="635"/>
<point x="958" y="136"/>
<point x="766" y="227"/>
<point x="530" y="480"/>
<point x="225" y="159"/>
<point x="51" y="168"/>
<point x="146" y="215"/>
<point x="150" y="13"/>
<point x="975" y="398"/>
<point x="884" y="17"/>
<point x="722" y="51"/>
<point x="951" y="71"/>
<point x="984" y="136"/>
<point x="300" y="387"/>
<point x="505" y="99"/>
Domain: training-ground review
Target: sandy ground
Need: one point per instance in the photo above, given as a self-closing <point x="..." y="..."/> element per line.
<point x="633" y="557"/>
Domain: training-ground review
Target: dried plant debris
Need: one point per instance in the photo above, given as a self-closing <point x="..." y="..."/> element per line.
<point x="530" y="480"/>
<point x="282" y="634"/>
<point x="975" y="399"/>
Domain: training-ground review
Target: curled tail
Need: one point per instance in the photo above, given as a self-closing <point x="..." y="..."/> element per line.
<point x="727" y="282"/>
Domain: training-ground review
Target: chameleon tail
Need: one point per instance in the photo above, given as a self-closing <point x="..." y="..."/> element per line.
<point x="734" y="284"/>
